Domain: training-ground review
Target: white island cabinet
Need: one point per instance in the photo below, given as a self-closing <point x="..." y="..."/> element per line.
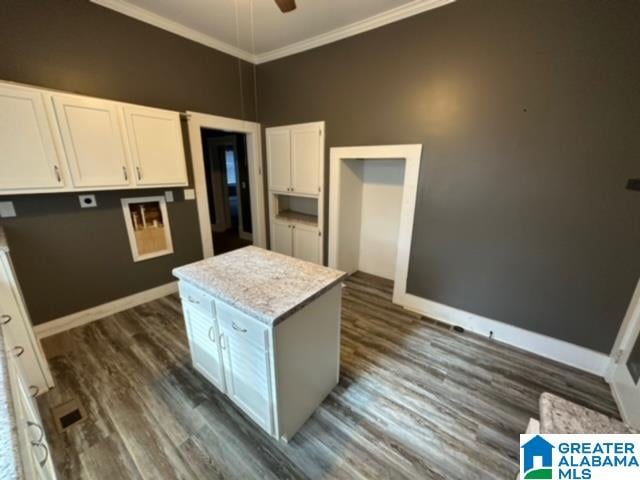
<point x="264" y="328"/>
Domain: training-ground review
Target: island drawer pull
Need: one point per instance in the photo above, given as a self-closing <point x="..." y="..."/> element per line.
<point x="237" y="328"/>
<point x="4" y="319"/>
<point x="46" y="453"/>
<point x="212" y="335"/>
<point x="18" y="350"/>
<point x="193" y="300"/>
<point x="40" y="431"/>
<point x="35" y="390"/>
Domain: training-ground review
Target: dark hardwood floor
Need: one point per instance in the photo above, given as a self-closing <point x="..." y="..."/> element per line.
<point x="415" y="400"/>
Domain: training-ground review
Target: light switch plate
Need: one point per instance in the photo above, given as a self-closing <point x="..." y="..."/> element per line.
<point x="87" y="201"/>
<point x="189" y="194"/>
<point x="7" y="210"/>
<point x="168" y="194"/>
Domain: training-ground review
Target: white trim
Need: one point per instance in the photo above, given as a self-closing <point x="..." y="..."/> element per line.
<point x="626" y="335"/>
<point x="412" y="155"/>
<point x="126" y="211"/>
<point x="393" y="15"/>
<point x="83" y="317"/>
<point x="390" y="16"/>
<point x="144" y="15"/>
<point x="548" y="347"/>
<point x="198" y="121"/>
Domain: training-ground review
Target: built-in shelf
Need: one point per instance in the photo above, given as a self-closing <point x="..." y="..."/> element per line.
<point x="297" y="217"/>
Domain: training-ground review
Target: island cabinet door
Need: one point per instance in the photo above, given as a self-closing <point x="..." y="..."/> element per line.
<point x="203" y="341"/>
<point x="246" y="364"/>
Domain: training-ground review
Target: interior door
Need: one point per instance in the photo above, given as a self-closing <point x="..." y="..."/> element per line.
<point x="29" y="157"/>
<point x="305" y="159"/>
<point x="279" y="158"/>
<point x="93" y="141"/>
<point x="205" y="349"/>
<point x="282" y="238"/>
<point x="155" y="139"/>
<point x="625" y="381"/>
<point x="306" y="243"/>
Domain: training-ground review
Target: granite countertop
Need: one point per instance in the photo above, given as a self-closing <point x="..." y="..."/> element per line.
<point x="4" y="246"/>
<point x="10" y="464"/>
<point x="265" y="285"/>
<point x="561" y="416"/>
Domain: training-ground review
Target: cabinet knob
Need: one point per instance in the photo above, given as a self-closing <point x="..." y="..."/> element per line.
<point x="56" y="169"/>
<point x="4" y="319"/>
<point x="139" y="173"/>
<point x="125" y="173"/>
<point x="237" y="328"/>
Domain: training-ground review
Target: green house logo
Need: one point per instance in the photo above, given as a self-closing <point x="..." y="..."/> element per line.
<point x="537" y="447"/>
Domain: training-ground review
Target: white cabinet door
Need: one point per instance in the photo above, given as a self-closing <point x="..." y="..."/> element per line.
<point x="246" y="364"/>
<point x="93" y="141"/>
<point x="205" y="349"/>
<point x="29" y="158"/>
<point x="306" y="243"/>
<point x="155" y="140"/>
<point x="281" y="238"/>
<point x="305" y="159"/>
<point x="279" y="158"/>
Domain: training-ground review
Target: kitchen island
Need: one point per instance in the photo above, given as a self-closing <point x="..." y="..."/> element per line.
<point x="264" y="328"/>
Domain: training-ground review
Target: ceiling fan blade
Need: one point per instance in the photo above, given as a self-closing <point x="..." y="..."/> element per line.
<point x="286" y="5"/>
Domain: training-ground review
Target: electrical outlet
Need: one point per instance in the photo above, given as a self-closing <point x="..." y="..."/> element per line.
<point x="168" y="195"/>
<point x="7" y="210"/>
<point x="87" y="201"/>
<point x="189" y="194"/>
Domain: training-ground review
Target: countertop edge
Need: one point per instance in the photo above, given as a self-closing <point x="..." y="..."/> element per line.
<point x="266" y="320"/>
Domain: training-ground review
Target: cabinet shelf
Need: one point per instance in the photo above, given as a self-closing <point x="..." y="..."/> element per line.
<point x="297" y="217"/>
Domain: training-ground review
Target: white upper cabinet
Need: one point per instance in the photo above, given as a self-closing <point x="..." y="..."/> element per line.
<point x="93" y="141"/>
<point x="29" y="160"/>
<point x="306" y="154"/>
<point x="155" y="141"/>
<point x="295" y="157"/>
<point x="59" y="142"/>
<point x="279" y="159"/>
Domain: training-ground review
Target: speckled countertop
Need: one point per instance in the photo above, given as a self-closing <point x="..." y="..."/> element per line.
<point x="561" y="416"/>
<point x="266" y="285"/>
<point x="10" y="464"/>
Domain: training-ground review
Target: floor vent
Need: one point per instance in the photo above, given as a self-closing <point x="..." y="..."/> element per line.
<point x="68" y="414"/>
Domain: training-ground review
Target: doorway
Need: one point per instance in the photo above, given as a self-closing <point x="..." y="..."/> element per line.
<point x="371" y="210"/>
<point x="198" y="125"/>
<point x="228" y="193"/>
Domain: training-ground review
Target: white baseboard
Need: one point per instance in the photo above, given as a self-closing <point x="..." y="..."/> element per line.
<point x="552" y="348"/>
<point x="96" y="313"/>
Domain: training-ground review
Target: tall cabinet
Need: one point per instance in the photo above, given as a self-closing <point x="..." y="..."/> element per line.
<point x="295" y="169"/>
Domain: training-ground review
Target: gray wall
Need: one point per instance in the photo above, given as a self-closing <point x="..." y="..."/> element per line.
<point x="529" y="115"/>
<point x="68" y="259"/>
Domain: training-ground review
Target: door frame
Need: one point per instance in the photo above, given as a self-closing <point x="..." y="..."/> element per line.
<point x="412" y="155"/>
<point x="198" y="121"/>
<point x="628" y="335"/>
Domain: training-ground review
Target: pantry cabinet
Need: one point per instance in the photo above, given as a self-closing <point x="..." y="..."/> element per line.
<point x="295" y="157"/>
<point x="58" y="142"/>
<point x="297" y="240"/>
<point x="30" y="160"/>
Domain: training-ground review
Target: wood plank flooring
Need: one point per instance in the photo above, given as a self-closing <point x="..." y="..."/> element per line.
<point x="415" y="400"/>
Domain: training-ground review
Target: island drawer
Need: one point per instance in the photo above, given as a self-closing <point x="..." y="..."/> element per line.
<point x="198" y="299"/>
<point x="236" y="323"/>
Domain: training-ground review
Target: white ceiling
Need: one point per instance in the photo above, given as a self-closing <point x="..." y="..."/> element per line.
<point x="257" y="31"/>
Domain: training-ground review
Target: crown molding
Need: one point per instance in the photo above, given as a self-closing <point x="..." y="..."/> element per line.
<point x="144" y="15"/>
<point x="395" y="14"/>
